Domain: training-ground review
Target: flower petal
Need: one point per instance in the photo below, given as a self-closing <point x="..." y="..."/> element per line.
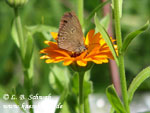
<point x="49" y="61"/>
<point x="44" y="57"/>
<point x="54" y="35"/>
<point x="81" y="62"/>
<point x="89" y="37"/>
<point x="98" y="61"/>
<point x="67" y="62"/>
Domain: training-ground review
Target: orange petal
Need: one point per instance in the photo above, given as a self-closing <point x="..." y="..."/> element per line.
<point x="89" y="37"/>
<point x="82" y="55"/>
<point x="94" y="51"/>
<point x="56" y="60"/>
<point x="68" y="62"/>
<point x="98" y="61"/>
<point x="100" y="56"/>
<point x="102" y="42"/>
<point x="42" y="51"/>
<point x="96" y="38"/>
<point x="49" y="61"/>
<point x="81" y="62"/>
<point x="51" y="44"/>
<point x="44" y="57"/>
<point x="62" y="52"/>
<point x="54" y="35"/>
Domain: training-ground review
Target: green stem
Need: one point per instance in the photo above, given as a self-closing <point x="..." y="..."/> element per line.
<point x="121" y="57"/>
<point x="80" y="11"/>
<point x="81" y="101"/>
<point x="28" y="85"/>
<point x="30" y="103"/>
<point x="27" y="81"/>
<point x="18" y="26"/>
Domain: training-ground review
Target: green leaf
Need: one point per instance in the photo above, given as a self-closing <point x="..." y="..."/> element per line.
<point x="86" y="105"/>
<point x="41" y="28"/>
<point x="59" y="77"/>
<point x="114" y="99"/>
<point x="137" y="81"/>
<point x="96" y="9"/>
<point x="2" y="92"/>
<point x="112" y="110"/>
<point x="29" y="51"/>
<point x="105" y="21"/>
<point x="61" y="100"/>
<point x="15" y="35"/>
<point x="88" y="88"/>
<point x="132" y="35"/>
<point x="19" y="90"/>
<point x="44" y="29"/>
<point x="106" y="37"/>
<point x="31" y="67"/>
<point x="57" y="82"/>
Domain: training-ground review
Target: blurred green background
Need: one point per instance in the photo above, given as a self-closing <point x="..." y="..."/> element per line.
<point x="49" y="12"/>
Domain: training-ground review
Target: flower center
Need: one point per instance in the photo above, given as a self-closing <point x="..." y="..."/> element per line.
<point x="75" y="54"/>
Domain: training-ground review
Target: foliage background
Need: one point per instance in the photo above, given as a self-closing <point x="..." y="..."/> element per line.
<point x="49" y="12"/>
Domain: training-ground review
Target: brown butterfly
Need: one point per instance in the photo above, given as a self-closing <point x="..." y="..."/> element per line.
<point x="70" y="35"/>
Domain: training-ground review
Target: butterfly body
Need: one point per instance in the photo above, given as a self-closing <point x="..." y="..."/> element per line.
<point x="70" y="35"/>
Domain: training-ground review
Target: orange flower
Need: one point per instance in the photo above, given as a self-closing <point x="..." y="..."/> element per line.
<point x="97" y="51"/>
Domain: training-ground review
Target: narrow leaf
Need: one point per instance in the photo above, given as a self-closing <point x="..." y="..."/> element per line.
<point x="96" y="9"/>
<point x="2" y="92"/>
<point x="106" y="37"/>
<point x="114" y="99"/>
<point x="57" y="82"/>
<point x="88" y="88"/>
<point x="105" y="21"/>
<point x="40" y="28"/>
<point x="132" y="35"/>
<point x="61" y="100"/>
<point x="112" y="110"/>
<point x="86" y="105"/>
<point x="138" y="80"/>
<point x="29" y="50"/>
<point x="15" y="35"/>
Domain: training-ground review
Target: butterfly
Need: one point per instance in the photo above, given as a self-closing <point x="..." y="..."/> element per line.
<point x="70" y="35"/>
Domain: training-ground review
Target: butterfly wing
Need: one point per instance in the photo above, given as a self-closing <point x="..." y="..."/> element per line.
<point x="70" y="35"/>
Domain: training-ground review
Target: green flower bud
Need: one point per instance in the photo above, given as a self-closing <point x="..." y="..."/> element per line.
<point x="16" y="3"/>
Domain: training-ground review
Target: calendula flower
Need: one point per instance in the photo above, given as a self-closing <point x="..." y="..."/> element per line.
<point x="97" y="51"/>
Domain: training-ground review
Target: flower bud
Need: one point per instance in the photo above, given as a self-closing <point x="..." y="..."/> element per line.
<point x="16" y="3"/>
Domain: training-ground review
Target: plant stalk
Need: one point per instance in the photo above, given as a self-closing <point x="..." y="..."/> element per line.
<point x="121" y="57"/>
<point x="18" y="26"/>
<point x="81" y="98"/>
<point x="80" y="11"/>
<point x="28" y="84"/>
<point x="27" y="81"/>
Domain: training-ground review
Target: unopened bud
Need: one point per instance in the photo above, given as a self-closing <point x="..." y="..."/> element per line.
<point x="16" y="3"/>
